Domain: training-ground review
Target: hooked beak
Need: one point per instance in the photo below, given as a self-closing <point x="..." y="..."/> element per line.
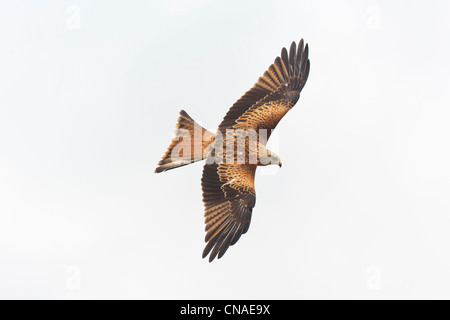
<point x="280" y="164"/>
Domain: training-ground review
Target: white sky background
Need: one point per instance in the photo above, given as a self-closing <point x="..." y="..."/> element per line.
<point x="89" y="96"/>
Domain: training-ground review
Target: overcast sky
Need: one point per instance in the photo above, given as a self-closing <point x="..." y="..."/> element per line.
<point x="89" y="96"/>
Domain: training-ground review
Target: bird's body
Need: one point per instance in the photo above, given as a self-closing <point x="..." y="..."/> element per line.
<point x="239" y="146"/>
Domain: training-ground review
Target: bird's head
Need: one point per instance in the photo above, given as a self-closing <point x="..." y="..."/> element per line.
<point x="271" y="159"/>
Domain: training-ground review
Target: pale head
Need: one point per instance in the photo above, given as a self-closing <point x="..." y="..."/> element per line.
<point x="271" y="158"/>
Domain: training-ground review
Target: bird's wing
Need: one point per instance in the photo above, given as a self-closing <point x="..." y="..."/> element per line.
<point x="275" y="93"/>
<point x="229" y="198"/>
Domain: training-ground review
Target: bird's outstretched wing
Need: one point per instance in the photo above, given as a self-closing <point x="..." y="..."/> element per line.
<point x="229" y="198"/>
<point x="228" y="189"/>
<point x="275" y="93"/>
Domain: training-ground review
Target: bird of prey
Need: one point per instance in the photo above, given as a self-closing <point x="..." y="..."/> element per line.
<point x="232" y="156"/>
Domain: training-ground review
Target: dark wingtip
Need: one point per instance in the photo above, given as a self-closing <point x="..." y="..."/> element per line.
<point x="306" y="51"/>
<point x="284" y="55"/>
<point x="301" y="43"/>
<point x="205" y="254"/>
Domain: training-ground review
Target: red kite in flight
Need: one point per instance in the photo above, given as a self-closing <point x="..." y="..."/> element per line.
<point x="231" y="155"/>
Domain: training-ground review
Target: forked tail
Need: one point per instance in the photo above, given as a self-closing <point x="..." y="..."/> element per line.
<point x="188" y="146"/>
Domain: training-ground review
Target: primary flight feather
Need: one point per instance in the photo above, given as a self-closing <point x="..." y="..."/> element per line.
<point x="231" y="155"/>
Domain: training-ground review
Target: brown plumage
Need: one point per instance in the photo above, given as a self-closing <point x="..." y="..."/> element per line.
<point x="228" y="181"/>
<point x="186" y="140"/>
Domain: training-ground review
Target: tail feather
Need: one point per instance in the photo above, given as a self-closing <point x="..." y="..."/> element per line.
<point x="188" y="146"/>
